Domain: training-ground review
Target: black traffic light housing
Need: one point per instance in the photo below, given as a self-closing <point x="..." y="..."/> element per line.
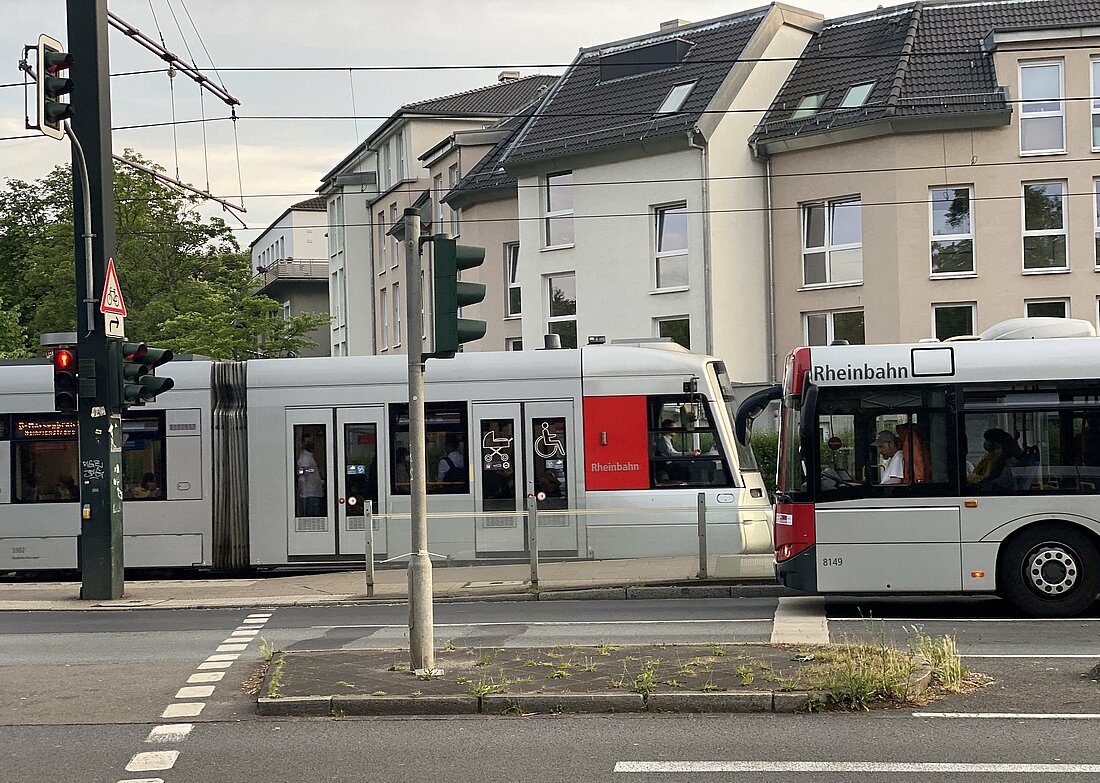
<point x="66" y="384"/>
<point x="450" y="331"/>
<point x="139" y="381"/>
<point x="52" y="71"/>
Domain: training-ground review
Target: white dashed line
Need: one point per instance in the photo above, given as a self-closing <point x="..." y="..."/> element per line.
<point x="195" y="692"/>
<point x="184" y="710"/>
<point x="231" y="647"/>
<point x="173" y="732"/>
<point x="250" y="634"/>
<point x="153" y="761"/>
<point x="206" y="677"/>
<point x="1012" y="715"/>
<point x="849" y="767"/>
<point x="225" y="657"/>
<point x="142" y="780"/>
<point x="215" y="664"/>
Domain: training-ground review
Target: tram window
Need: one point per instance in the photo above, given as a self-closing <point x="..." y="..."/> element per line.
<point x="310" y="482"/>
<point x="550" y="448"/>
<point x="446" y="450"/>
<point x="498" y="466"/>
<point x="143" y="469"/>
<point x="685" y="449"/>
<point x="870" y="441"/>
<point x="45" y="457"/>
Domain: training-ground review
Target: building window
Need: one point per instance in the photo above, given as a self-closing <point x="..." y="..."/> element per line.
<point x="671" y="242"/>
<point x="1042" y="117"/>
<point x="513" y="344"/>
<point x="1047" y="308"/>
<point x="679" y="329"/>
<point x="857" y="95"/>
<point x="953" y="320"/>
<point x="286" y="311"/>
<point x="559" y="209"/>
<point x="383" y="241"/>
<point x="399" y="149"/>
<point x="511" y="277"/>
<point x="952" y="230"/>
<point x="453" y="176"/>
<point x="824" y="328"/>
<point x="387" y="166"/>
<point x="385" y="310"/>
<point x="336" y="226"/>
<point x="1096" y="187"/>
<point x="397" y="314"/>
<point x="1096" y="105"/>
<point x="676" y="97"/>
<point x="562" y="307"/>
<point x="395" y="258"/>
<point x="809" y="106"/>
<point x="437" y="203"/>
<point x="832" y="242"/>
<point x="1044" y="226"/>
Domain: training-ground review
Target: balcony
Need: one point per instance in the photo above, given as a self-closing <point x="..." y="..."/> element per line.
<point x="288" y="270"/>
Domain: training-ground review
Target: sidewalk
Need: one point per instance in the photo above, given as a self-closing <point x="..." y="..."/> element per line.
<point x="639" y="578"/>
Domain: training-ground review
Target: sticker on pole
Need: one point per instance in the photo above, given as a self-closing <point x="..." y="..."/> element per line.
<point x="111" y="301"/>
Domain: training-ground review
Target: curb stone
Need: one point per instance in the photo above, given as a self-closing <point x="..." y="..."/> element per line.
<point x="404" y="705"/>
<point x="593" y="594"/>
<point x="679" y="591"/>
<point x="295" y="706"/>
<point x="729" y="701"/>
<point x="546" y="703"/>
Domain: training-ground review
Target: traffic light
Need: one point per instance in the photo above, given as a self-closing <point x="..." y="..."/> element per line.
<point x="139" y="381"/>
<point x="451" y="331"/>
<point x="52" y="69"/>
<point x="65" y="380"/>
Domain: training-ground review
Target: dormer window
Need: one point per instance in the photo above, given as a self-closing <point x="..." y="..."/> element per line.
<point x="676" y="97"/>
<point x="857" y="95"/>
<point x="640" y="60"/>
<point x="809" y="106"/>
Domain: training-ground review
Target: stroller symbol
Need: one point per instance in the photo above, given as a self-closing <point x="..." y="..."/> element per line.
<point x="496" y="449"/>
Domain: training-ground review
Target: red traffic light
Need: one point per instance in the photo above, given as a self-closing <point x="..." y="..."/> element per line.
<point x="64" y="360"/>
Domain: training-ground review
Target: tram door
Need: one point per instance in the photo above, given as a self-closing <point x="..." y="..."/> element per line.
<point x="550" y="446"/>
<point x="498" y="479"/>
<point x="361" y="459"/>
<point x="309" y="461"/>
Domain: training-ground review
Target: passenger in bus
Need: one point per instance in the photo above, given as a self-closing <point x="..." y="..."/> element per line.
<point x="889" y="448"/>
<point x="311" y="488"/>
<point x="1001" y="451"/>
<point x="148" y="488"/>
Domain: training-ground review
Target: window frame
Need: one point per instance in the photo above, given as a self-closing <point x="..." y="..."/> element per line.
<point x="830" y="323"/>
<point x="685" y="319"/>
<point x="844" y="104"/>
<point x="805" y="109"/>
<point x="1096" y="223"/>
<point x="395" y="260"/>
<point x="1025" y="232"/>
<point x="552" y="320"/>
<point x="434" y="424"/>
<point x="1064" y="301"/>
<point x="396" y="314"/>
<point x="560" y="214"/>
<point x="933" y="237"/>
<point x="828" y="248"/>
<point x="383" y="241"/>
<point x="674" y="101"/>
<point x="659" y="213"/>
<point x="383" y="308"/>
<point x="1042" y="114"/>
<point x="511" y="280"/>
<point x="454" y="176"/>
<point x="971" y="306"/>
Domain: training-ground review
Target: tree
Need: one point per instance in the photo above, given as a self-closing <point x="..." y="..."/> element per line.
<point x="13" y="339"/>
<point x="186" y="281"/>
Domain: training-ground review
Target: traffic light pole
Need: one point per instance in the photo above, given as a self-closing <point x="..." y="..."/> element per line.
<point x="421" y="614"/>
<point x="100" y="420"/>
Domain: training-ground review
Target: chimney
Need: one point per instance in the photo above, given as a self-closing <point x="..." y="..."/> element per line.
<point x="507" y="76"/>
<point x="673" y="24"/>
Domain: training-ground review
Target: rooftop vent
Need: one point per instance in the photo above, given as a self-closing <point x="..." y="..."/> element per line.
<point x="673" y="24"/>
<point x="1038" y="328"/>
<point x="507" y="76"/>
<point x="643" y="59"/>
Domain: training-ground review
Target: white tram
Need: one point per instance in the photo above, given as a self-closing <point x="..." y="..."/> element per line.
<point x="273" y="463"/>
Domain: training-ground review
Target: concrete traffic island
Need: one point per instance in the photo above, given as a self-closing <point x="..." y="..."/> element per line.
<point x="601" y="679"/>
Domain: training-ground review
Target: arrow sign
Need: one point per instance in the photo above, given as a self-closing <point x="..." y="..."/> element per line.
<point x="112" y="301"/>
<point x="115" y="325"/>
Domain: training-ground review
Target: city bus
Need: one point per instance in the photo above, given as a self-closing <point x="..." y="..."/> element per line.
<point x="998" y="491"/>
<point x="275" y="462"/>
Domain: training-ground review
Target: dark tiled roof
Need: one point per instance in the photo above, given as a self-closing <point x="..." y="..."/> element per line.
<point x="488" y="173"/>
<point x="926" y="59"/>
<point x="316" y="204"/>
<point x="583" y="114"/>
<point x="494" y="100"/>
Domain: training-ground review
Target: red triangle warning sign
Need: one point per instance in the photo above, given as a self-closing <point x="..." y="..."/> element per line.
<point x="112" y="301"/>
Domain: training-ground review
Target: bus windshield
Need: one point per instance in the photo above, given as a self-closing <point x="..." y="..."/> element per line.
<point x="792" y="469"/>
<point x="746" y="459"/>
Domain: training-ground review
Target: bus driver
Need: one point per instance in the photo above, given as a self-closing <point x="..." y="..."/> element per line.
<point x="889" y="447"/>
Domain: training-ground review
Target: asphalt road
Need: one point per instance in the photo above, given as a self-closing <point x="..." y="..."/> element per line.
<point x="80" y="693"/>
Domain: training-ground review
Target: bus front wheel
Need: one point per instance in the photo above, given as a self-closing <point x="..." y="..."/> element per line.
<point x="1051" y="571"/>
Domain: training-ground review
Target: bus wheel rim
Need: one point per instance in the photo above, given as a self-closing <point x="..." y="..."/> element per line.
<point x="1051" y="569"/>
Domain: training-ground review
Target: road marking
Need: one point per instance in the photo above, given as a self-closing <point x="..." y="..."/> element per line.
<point x="1036" y="655"/>
<point x="230" y="658"/>
<point x="850" y="767"/>
<point x="250" y="634"/>
<point x="549" y="623"/>
<point x="1012" y="715"/>
<point x="963" y="619"/>
<point x="206" y="677"/>
<point x="153" y="761"/>
<point x="800" y="620"/>
<point x="142" y="780"/>
<point x="215" y="664"/>
<point x="230" y="647"/>
<point x="195" y="692"/>
<point x="172" y="732"/>
<point x="185" y="710"/>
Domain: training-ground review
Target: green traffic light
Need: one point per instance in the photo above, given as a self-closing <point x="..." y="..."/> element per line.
<point x="450" y="331"/>
<point x="139" y="384"/>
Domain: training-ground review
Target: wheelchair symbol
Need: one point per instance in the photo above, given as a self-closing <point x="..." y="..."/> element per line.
<point x="496" y="448"/>
<point x="547" y="445"/>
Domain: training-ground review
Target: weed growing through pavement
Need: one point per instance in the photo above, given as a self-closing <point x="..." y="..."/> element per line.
<point x="746" y="674"/>
<point x="719" y="651"/>
<point x="267" y="650"/>
<point x="275" y="682"/>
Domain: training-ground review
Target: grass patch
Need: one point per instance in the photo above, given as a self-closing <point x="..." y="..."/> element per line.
<point x="275" y="681"/>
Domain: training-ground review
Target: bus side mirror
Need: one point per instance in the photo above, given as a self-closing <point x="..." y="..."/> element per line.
<point x="753" y="406"/>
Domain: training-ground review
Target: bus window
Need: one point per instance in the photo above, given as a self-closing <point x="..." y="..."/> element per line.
<point x="685" y="449"/>
<point x="45" y="458"/>
<point x="446" y="451"/>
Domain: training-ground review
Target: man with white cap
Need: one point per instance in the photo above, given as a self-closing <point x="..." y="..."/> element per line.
<point x="889" y="446"/>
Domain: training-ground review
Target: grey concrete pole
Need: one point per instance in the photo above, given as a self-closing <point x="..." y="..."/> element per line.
<point x="421" y="618"/>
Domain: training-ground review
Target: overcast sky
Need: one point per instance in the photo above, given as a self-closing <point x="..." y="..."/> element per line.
<point x="281" y="161"/>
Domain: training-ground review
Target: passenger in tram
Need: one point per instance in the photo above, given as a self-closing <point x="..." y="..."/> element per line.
<point x="66" y="488"/>
<point x="402" y="470"/>
<point x="889" y="448"/>
<point x="311" y="487"/>
<point x="148" y="488"/>
<point x="666" y="447"/>
<point x="452" y="468"/>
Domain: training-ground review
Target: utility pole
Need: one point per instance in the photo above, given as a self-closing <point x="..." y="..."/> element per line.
<point x="421" y="612"/>
<point x="99" y="357"/>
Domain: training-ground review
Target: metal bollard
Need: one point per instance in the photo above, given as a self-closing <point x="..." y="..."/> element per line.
<point x="702" y="535"/>
<point x="533" y="536"/>
<point x="368" y="546"/>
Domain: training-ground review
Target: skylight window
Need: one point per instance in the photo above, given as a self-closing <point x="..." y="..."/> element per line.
<point x="808" y="106"/>
<point x="676" y="97"/>
<point x="857" y="95"/>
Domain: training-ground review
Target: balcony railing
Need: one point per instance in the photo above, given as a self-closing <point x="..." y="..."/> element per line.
<point x="289" y="269"/>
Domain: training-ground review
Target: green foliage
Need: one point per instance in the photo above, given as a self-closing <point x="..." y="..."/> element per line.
<point x="765" y="445"/>
<point x="186" y="281"/>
